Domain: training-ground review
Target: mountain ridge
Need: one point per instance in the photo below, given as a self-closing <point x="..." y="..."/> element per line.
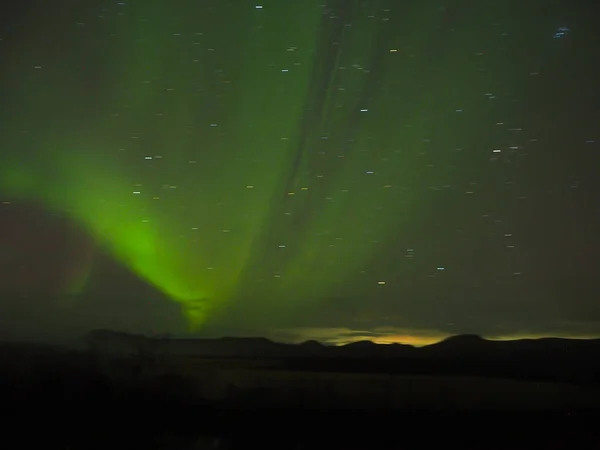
<point x="120" y="342"/>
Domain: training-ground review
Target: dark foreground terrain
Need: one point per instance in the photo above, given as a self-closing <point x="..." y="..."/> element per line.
<point x="70" y="399"/>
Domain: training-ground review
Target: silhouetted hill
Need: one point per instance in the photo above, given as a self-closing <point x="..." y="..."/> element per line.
<point x="461" y="346"/>
<point x="572" y="360"/>
<point x="461" y="341"/>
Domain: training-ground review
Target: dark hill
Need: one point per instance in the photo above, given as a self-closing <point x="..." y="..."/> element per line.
<point x="572" y="360"/>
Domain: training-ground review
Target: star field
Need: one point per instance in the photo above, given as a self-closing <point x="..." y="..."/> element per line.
<point x="425" y="166"/>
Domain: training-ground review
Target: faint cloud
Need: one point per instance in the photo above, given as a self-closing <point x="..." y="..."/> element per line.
<point x="409" y="336"/>
<point x="342" y="336"/>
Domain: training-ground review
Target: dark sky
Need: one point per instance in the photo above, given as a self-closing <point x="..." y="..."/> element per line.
<point x="332" y="170"/>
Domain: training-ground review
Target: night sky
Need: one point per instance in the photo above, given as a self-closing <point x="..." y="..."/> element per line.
<point x="316" y="169"/>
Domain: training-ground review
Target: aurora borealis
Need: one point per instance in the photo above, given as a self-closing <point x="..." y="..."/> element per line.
<point x="421" y="167"/>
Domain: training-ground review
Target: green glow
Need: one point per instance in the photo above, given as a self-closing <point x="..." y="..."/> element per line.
<point x="220" y="229"/>
<point x="144" y="232"/>
<point x="354" y="164"/>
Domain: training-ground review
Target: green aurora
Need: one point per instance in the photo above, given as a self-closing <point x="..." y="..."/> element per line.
<point x="345" y="166"/>
<point x="264" y="204"/>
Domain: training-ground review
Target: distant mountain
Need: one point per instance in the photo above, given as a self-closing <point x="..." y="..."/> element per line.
<point x="460" y="345"/>
<point x="462" y="340"/>
<point x="106" y="341"/>
<point x="548" y="358"/>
